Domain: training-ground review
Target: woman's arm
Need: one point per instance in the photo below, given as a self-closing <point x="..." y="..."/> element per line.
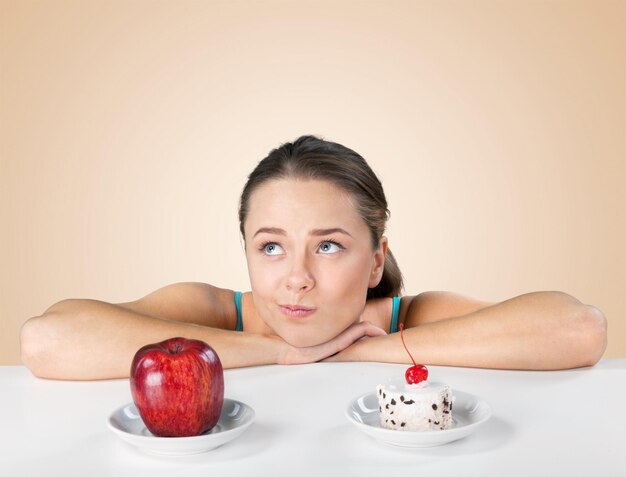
<point x="542" y="330"/>
<point x="90" y="339"/>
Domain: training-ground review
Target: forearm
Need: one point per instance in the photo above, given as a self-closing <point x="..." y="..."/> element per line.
<point x="88" y="339"/>
<point x="543" y="330"/>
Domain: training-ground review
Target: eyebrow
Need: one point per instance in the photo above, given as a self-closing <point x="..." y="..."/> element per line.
<point x="333" y="230"/>
<point x="316" y="232"/>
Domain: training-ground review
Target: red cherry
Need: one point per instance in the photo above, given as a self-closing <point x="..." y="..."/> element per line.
<point x="416" y="373"/>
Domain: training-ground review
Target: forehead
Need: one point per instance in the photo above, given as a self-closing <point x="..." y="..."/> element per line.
<point x="302" y="204"/>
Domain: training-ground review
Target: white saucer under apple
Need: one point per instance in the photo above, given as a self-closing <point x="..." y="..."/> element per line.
<point x="234" y="420"/>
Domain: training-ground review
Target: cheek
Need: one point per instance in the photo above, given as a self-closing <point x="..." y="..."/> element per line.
<point x="263" y="276"/>
<point x="346" y="287"/>
<point x="352" y="275"/>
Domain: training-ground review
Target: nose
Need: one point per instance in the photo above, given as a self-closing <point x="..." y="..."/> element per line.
<point x="300" y="277"/>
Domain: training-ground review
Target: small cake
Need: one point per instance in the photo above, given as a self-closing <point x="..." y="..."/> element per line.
<point x="424" y="406"/>
<point x="415" y="404"/>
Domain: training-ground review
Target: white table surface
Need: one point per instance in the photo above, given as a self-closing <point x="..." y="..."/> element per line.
<point x="568" y="423"/>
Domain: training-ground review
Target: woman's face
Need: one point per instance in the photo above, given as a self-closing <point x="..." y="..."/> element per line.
<point x="310" y="259"/>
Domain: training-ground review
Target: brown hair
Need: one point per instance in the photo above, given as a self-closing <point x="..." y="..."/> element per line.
<point x="309" y="157"/>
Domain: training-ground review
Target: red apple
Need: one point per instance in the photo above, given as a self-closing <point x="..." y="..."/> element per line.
<point x="178" y="387"/>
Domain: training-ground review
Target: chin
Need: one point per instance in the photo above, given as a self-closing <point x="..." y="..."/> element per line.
<point x="305" y="341"/>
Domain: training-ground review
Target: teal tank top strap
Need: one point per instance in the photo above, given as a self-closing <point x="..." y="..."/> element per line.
<point x="395" y="313"/>
<point x="239" y="326"/>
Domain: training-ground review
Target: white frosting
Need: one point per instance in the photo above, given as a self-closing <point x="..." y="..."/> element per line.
<point x="422" y="388"/>
<point x="415" y="407"/>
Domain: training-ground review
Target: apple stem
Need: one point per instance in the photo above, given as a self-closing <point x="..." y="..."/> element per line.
<point x="404" y="344"/>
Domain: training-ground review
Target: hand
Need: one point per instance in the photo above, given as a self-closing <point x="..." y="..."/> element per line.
<point x="345" y="339"/>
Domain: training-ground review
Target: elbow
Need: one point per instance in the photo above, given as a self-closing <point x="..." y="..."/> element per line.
<point x="33" y="345"/>
<point x="591" y="331"/>
<point x="42" y="340"/>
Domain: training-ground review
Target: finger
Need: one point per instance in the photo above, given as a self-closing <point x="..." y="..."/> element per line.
<point x="355" y="333"/>
<point x="328" y="350"/>
<point x="375" y="331"/>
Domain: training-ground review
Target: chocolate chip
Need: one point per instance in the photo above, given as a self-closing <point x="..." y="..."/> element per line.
<point x="402" y="398"/>
<point x="434" y="407"/>
<point x="393" y="422"/>
<point x="437" y="423"/>
<point x="393" y="402"/>
<point x="384" y="396"/>
<point x="402" y="424"/>
<point x="386" y="406"/>
<point x="409" y="402"/>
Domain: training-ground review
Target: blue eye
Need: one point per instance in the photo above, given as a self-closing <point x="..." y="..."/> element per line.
<point x="328" y="246"/>
<point x="272" y="248"/>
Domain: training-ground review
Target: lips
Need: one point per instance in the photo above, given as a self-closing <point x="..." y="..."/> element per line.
<point x="296" y="311"/>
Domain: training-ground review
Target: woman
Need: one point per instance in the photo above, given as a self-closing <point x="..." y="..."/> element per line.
<point x="313" y="215"/>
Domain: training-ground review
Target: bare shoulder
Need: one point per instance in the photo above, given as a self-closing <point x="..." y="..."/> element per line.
<point x="437" y="305"/>
<point x="190" y="302"/>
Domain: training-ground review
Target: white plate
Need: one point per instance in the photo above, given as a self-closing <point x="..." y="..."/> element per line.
<point x="468" y="413"/>
<point x="127" y="424"/>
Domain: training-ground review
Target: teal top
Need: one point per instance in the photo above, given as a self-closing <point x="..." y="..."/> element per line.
<point x="395" y="312"/>
<point x="239" y="326"/>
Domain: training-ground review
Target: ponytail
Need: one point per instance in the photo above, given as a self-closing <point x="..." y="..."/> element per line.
<point x="391" y="283"/>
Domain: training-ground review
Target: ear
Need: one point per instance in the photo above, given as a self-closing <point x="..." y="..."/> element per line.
<point x="378" y="265"/>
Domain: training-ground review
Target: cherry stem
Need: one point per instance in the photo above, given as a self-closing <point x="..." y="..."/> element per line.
<point x="404" y="344"/>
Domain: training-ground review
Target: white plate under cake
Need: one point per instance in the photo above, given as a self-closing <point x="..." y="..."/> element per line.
<point x="470" y="412"/>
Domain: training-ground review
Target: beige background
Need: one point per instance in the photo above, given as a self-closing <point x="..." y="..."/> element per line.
<point x="128" y="129"/>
